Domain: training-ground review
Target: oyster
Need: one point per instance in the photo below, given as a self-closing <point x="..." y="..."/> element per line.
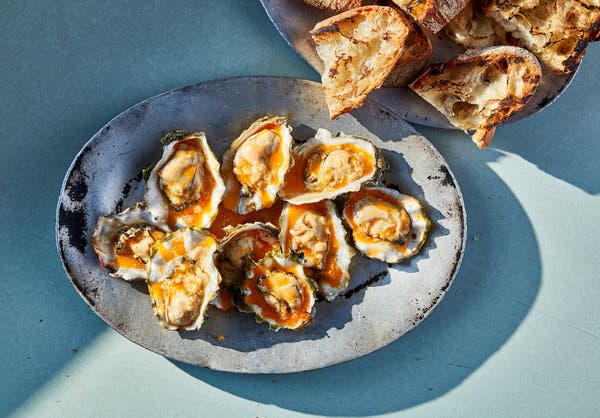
<point x="315" y="230"/>
<point x="386" y="225"/>
<point x="327" y="166"/>
<point x="254" y="167"/>
<point x="243" y="245"/>
<point x="185" y="187"/>
<point x="124" y="241"/>
<point x="278" y="292"/>
<point x="182" y="278"/>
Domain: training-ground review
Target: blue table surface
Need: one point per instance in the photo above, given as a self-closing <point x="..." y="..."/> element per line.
<point x="516" y="335"/>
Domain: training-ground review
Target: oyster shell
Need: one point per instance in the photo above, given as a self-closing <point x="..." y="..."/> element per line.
<point x="327" y="166"/>
<point x="386" y="225"/>
<point x="185" y="187"/>
<point x="278" y="292"/>
<point x="254" y="167"/>
<point x="243" y="245"/>
<point x="124" y="241"/>
<point x="315" y="230"/>
<point x="182" y="278"/>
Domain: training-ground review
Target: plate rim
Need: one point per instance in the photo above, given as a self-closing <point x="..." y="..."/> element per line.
<point x="426" y="312"/>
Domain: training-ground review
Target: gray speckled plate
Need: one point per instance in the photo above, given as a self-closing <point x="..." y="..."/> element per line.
<point x="382" y="303"/>
<point x="294" y="19"/>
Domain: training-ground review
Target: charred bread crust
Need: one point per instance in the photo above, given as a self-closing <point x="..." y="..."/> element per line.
<point x="482" y="88"/>
<point x="473" y="29"/>
<point x="416" y="55"/>
<point x="557" y="31"/>
<point x="432" y="14"/>
<point x="359" y="49"/>
<point x="334" y="5"/>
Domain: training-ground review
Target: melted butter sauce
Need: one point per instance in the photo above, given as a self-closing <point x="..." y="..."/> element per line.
<point x="227" y="217"/>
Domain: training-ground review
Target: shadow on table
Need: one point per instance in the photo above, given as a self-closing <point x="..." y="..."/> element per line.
<point x="562" y="140"/>
<point x="494" y="290"/>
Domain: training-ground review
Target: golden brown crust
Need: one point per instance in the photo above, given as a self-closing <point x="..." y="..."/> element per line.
<point x="473" y="29"/>
<point x="334" y="5"/>
<point x="415" y="56"/>
<point x="432" y="14"/>
<point x="481" y="88"/>
<point x="557" y="31"/>
<point x="359" y="49"/>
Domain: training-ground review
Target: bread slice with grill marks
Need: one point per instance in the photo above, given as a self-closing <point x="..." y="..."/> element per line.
<point x="557" y="31"/>
<point x="432" y="14"/>
<point x="359" y="49"/>
<point x="481" y="88"/>
<point x="415" y="56"/>
<point x="473" y="29"/>
<point x="334" y="5"/>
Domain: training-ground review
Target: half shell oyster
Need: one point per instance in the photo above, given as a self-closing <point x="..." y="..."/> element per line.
<point x="315" y="231"/>
<point x="182" y="278"/>
<point x="278" y="292"/>
<point x="124" y="241"/>
<point x="386" y="225"/>
<point x="327" y="166"/>
<point x="185" y="187"/>
<point x="254" y="167"/>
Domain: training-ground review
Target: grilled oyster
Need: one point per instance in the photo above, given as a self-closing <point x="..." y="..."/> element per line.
<point x="327" y="166"/>
<point x="243" y="245"/>
<point x="185" y="187"/>
<point x="386" y="225"/>
<point x="315" y="230"/>
<point x="278" y="292"/>
<point x="254" y="167"/>
<point x="124" y="241"/>
<point x="182" y="278"/>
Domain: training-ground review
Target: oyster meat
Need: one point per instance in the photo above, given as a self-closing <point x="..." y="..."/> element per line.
<point x="182" y="278"/>
<point x="278" y="292"/>
<point x="124" y="241"/>
<point x="327" y="166"/>
<point x="243" y="245"/>
<point x="185" y="187"/>
<point x="386" y="225"/>
<point x="254" y="167"/>
<point x="315" y="231"/>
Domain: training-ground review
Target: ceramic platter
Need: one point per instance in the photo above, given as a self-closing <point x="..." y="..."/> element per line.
<point x="382" y="302"/>
<point x="294" y="19"/>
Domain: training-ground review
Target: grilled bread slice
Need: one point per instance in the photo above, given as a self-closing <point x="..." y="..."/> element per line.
<point x="473" y="29"/>
<point x="481" y="88"/>
<point x="359" y="49"/>
<point x="415" y="56"/>
<point x="334" y="5"/>
<point x="432" y="14"/>
<point x="557" y="31"/>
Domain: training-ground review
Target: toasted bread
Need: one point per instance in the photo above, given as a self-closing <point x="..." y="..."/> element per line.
<point x="557" y="31"/>
<point x="334" y="5"/>
<point x="432" y="14"/>
<point x="481" y="88"/>
<point x="359" y="49"/>
<point x="416" y="55"/>
<point x="473" y="29"/>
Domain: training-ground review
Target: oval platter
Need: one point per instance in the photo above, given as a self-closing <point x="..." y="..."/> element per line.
<point x="382" y="302"/>
<point x="294" y="19"/>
